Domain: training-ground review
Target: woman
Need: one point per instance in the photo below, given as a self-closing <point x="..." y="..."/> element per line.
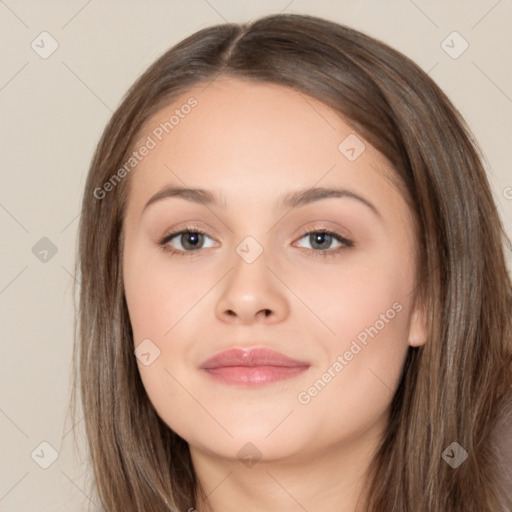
<point x="222" y="364"/>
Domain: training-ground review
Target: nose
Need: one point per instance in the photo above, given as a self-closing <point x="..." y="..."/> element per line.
<point x="252" y="293"/>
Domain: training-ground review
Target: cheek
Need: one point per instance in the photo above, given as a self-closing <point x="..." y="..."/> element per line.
<point x="367" y="308"/>
<point x="352" y="391"/>
<point x="159" y="296"/>
<point x="161" y="302"/>
<point x="366" y="294"/>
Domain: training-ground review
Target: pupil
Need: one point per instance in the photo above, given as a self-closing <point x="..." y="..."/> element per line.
<point x="319" y="238"/>
<point x="192" y="239"/>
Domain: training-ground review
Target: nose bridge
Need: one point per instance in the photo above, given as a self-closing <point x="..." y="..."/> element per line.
<point x="250" y="270"/>
<point x="251" y="290"/>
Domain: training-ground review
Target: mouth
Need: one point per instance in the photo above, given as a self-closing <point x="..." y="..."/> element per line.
<point x="253" y="367"/>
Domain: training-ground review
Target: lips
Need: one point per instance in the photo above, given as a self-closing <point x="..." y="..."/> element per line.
<point x="251" y="358"/>
<point x="252" y="367"/>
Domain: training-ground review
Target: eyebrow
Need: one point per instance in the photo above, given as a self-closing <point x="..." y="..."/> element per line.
<point x="291" y="200"/>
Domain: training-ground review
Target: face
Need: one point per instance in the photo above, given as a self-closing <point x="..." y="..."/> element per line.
<point x="309" y="291"/>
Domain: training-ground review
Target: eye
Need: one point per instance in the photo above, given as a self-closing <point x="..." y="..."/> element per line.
<point x="190" y="240"/>
<point x="321" y="242"/>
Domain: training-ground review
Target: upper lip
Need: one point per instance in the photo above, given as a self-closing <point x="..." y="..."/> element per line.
<point x="250" y="357"/>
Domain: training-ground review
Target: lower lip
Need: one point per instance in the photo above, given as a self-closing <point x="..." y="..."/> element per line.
<point x="254" y="375"/>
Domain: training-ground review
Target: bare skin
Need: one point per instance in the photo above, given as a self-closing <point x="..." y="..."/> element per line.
<point x="251" y="144"/>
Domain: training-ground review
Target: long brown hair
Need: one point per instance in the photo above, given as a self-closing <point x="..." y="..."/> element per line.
<point x="452" y="388"/>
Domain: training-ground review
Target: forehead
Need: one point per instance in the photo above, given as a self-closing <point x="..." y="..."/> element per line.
<point x="253" y="137"/>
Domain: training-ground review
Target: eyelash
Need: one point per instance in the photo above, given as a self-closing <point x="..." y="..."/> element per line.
<point x="346" y="243"/>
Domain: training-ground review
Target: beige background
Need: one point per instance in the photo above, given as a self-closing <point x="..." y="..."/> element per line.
<point x="52" y="114"/>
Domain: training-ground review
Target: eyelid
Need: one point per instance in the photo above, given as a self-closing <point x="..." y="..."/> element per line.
<point x="323" y="226"/>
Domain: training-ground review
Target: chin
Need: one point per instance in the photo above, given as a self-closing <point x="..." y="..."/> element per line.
<point x="260" y="438"/>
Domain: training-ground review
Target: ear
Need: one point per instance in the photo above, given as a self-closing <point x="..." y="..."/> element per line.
<point x="418" y="331"/>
